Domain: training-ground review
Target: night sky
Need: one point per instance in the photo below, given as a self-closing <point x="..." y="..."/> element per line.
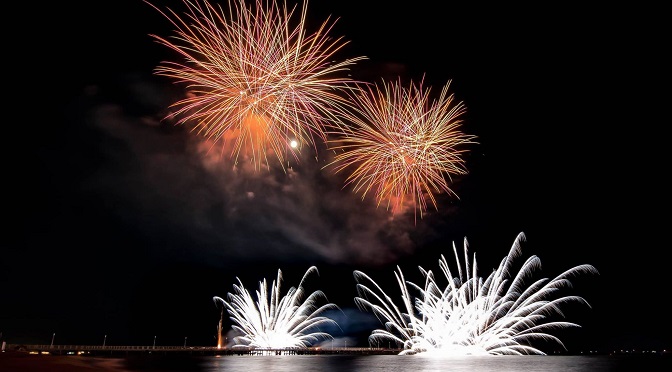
<point x="116" y="224"/>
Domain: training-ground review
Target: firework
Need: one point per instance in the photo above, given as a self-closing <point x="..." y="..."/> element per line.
<point x="256" y="81"/>
<point x="268" y="320"/>
<point x="401" y="145"/>
<point x="472" y="315"/>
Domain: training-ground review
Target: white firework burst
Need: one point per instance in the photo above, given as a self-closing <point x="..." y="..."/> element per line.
<point x="271" y="321"/>
<point x="497" y="315"/>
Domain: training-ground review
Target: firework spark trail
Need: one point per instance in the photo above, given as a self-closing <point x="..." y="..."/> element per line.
<point x="268" y="320"/>
<point x="255" y="82"/>
<point x="472" y="315"/>
<point x="401" y="145"/>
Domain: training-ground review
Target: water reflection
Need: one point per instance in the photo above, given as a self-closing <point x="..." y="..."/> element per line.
<point x="395" y="363"/>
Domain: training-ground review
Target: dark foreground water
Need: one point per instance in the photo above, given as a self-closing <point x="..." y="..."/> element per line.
<point x="391" y="363"/>
<point x="22" y="362"/>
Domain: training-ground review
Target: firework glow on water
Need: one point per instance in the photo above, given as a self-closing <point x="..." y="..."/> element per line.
<point x="472" y="315"/>
<point x="402" y="146"/>
<point x="258" y="83"/>
<point x="269" y="320"/>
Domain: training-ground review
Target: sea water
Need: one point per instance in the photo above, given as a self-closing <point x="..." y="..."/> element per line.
<point x="411" y="363"/>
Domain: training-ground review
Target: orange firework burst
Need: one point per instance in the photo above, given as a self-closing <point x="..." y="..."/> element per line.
<point x="256" y="83"/>
<point x="401" y="145"/>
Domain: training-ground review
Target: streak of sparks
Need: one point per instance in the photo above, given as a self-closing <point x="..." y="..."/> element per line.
<point x="471" y="315"/>
<point x="255" y="81"/>
<point x="401" y="145"/>
<point x="268" y="320"/>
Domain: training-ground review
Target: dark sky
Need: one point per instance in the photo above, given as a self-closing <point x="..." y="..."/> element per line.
<point x="117" y="225"/>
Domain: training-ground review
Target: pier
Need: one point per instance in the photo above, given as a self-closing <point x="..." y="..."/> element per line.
<point x="121" y="351"/>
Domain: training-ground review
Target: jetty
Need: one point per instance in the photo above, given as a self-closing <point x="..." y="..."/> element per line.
<point x="112" y="350"/>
